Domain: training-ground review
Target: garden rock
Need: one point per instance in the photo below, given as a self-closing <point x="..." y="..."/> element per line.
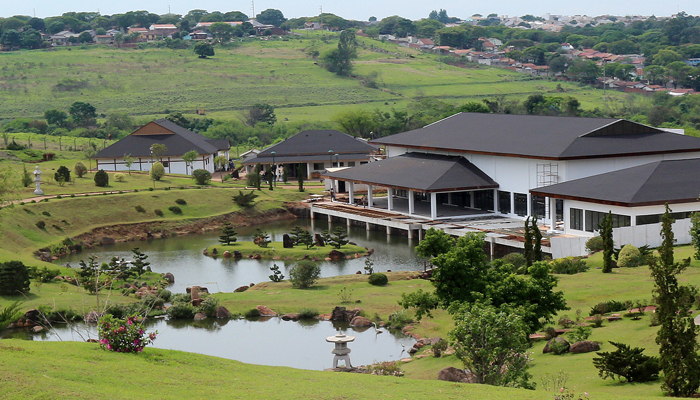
<point x="338" y="314"/>
<point x="222" y="312"/>
<point x="291" y="317"/>
<point x="227" y="254"/>
<point x="287" y="242"/>
<point x="558" y="339"/>
<point x="241" y="289"/>
<point x="32" y="315"/>
<point x="266" y="311"/>
<point x="107" y="240"/>
<point x="200" y="316"/>
<point x="237" y="254"/>
<point x="336" y="255"/>
<point x="361" y="322"/>
<point x="169" y="277"/>
<point x="214" y="251"/>
<point x="319" y="240"/>
<point x="452" y="374"/>
<point x="585" y="346"/>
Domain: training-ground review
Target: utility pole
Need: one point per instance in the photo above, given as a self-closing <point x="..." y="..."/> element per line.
<point x="253" y="7"/>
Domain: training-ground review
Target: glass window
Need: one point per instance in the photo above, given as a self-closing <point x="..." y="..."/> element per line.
<point x="319" y="166"/>
<point x="520" y="204"/>
<point x="593" y="219"/>
<point x="503" y="202"/>
<point x="483" y="200"/>
<point x="656" y="218"/>
<point x="537" y="206"/>
<point x="576" y="219"/>
<point x="351" y="163"/>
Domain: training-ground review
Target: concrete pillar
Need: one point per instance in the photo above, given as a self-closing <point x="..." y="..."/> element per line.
<point x="351" y="192"/>
<point x="388" y="230"/>
<point x="367" y="226"/>
<point x="529" y="205"/>
<point x="471" y="199"/>
<point x="330" y="219"/>
<point x="433" y="205"/>
<point x="308" y="170"/>
<point x="390" y="198"/>
<point x="449" y="199"/>
<point x="411" y="203"/>
<point x="312" y="214"/>
<point x="420" y="234"/>
<point x="495" y="200"/>
<point x="512" y="202"/>
<point x="348" y="222"/>
<point x="370" y="198"/>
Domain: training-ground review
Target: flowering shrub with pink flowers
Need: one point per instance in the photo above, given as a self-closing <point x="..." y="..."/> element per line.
<point x="124" y="335"/>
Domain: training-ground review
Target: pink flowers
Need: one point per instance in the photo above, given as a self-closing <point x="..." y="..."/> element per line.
<point x="123" y="335"/>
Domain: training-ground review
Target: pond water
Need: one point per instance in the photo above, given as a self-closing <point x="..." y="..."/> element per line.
<point x="182" y="256"/>
<point x="273" y="342"/>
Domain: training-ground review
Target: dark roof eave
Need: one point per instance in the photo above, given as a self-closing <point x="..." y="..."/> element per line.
<point x="614" y="203"/>
<point x="426" y="190"/>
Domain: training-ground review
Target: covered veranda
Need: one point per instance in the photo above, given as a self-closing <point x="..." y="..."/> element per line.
<point x="423" y="185"/>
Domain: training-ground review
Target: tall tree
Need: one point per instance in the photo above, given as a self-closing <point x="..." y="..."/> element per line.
<point x="606" y="233"/>
<point x="527" y="252"/>
<point x="271" y="16"/>
<point x="189" y="158"/>
<point x="83" y="114"/>
<point x="228" y="234"/>
<point x="222" y="32"/>
<point x="536" y="241"/>
<point x="339" y="60"/>
<point x="261" y="112"/>
<point x="677" y="336"/>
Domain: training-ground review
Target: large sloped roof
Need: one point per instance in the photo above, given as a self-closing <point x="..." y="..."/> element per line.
<point x="314" y="145"/>
<point x="421" y="172"/>
<point x="177" y="139"/>
<point x="532" y="136"/>
<point x="668" y="181"/>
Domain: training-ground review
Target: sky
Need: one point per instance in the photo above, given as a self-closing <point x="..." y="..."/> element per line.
<point x="357" y="9"/>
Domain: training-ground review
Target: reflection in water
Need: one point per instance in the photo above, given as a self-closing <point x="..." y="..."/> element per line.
<point x="273" y="342"/>
<point x="183" y="256"/>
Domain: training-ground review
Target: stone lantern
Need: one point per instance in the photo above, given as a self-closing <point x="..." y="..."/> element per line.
<point x="37" y="179"/>
<point x="341" y="350"/>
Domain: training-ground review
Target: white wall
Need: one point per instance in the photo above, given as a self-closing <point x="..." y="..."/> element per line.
<point x="583" y="168"/>
<point x="176" y="165"/>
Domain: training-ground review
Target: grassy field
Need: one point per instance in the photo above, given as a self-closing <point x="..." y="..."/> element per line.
<point x="154" y="82"/>
<point x="277" y="251"/>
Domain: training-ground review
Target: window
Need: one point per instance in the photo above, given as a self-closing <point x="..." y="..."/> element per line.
<point x="319" y="166"/>
<point x="656" y="218"/>
<point x="166" y="164"/>
<point x="363" y="162"/>
<point x="537" y="206"/>
<point x="576" y="219"/>
<point x="593" y="219"/>
<point x="559" y="213"/>
<point x="401" y="193"/>
<point x="351" y="163"/>
<point x="520" y="203"/>
<point x="483" y="199"/>
<point x="503" y="202"/>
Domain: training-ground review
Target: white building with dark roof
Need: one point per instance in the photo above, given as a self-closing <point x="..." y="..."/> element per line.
<point x="177" y="141"/>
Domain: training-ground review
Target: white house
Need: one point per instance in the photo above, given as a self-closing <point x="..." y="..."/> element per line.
<point x="177" y="141"/>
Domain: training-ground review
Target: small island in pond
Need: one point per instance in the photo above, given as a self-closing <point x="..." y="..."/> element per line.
<point x="276" y="251"/>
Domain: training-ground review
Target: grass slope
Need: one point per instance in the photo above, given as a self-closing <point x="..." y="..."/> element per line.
<point x="154" y="82"/>
<point x="81" y="370"/>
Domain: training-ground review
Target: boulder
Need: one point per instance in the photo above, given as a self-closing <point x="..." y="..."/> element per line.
<point x="266" y="311"/>
<point x="318" y="239"/>
<point x="338" y="314"/>
<point x="558" y="339"/>
<point x="291" y="317"/>
<point x="237" y="254"/>
<point x="38" y="329"/>
<point x="200" y="316"/>
<point x="287" y="242"/>
<point x="452" y="374"/>
<point x="32" y="315"/>
<point x="585" y="346"/>
<point x="107" y="240"/>
<point x="91" y="317"/>
<point x="169" y="277"/>
<point x="361" y="322"/>
<point x="227" y="254"/>
<point x="214" y="251"/>
<point x="241" y="289"/>
<point x="222" y="312"/>
<point x="257" y="257"/>
<point x="194" y="293"/>
<point x="336" y="255"/>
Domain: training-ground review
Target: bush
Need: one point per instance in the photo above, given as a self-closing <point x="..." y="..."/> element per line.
<point x="628" y="363"/>
<point x="580" y="333"/>
<point x="244" y="200"/>
<point x="40" y="224"/>
<point x="124" y="335"/>
<point x="558" y="348"/>
<point x="140" y="209"/>
<point x="594" y="244"/>
<point x="439" y="348"/>
<point x="181" y="310"/>
<point x="14" y="278"/>
<point x="119" y="177"/>
<point x="80" y="169"/>
<point x="158" y="212"/>
<point x="608" y="306"/>
<point x="101" y="178"/>
<point x="43" y="274"/>
<point x="566" y="322"/>
<point x="308" y="313"/>
<point x="157" y="171"/>
<point x="517" y="260"/>
<point x="569" y="265"/>
<point x="630" y="256"/>
<point x="597" y="321"/>
<point x="62" y="174"/>
<point x="399" y="319"/>
<point x="252" y="313"/>
<point x="378" y="279"/>
<point x="181" y="202"/>
<point x="209" y="306"/>
<point x="175" y="209"/>
<point x="304" y="275"/>
<point x="201" y="176"/>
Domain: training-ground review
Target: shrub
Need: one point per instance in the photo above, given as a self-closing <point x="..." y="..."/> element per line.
<point x="399" y="319"/>
<point x="566" y="322"/>
<point x="158" y="212"/>
<point x="175" y="209"/>
<point x="181" y="310"/>
<point x="387" y="368"/>
<point x="594" y="244"/>
<point x="345" y="295"/>
<point x="558" y="348"/>
<point x="209" y="306"/>
<point x="252" y="313"/>
<point x="48" y="214"/>
<point x="517" y="260"/>
<point x="378" y="279"/>
<point x="9" y="314"/>
<point x="244" y="200"/>
<point x="608" y="306"/>
<point x="124" y="335"/>
<point x="597" y="321"/>
<point x="43" y="274"/>
<point x="40" y="224"/>
<point x="304" y="274"/>
<point x="569" y="265"/>
<point x="626" y="362"/>
<point x="14" y="278"/>
<point x="439" y="348"/>
<point x="157" y="171"/>
<point x="276" y="273"/>
<point x="308" y="313"/>
<point x="201" y="176"/>
<point x="80" y="169"/>
<point x="140" y="209"/>
<point x="119" y="177"/>
<point x="101" y="178"/>
<point x="62" y="174"/>
<point x="580" y="333"/>
<point x="630" y="256"/>
<point x="181" y="202"/>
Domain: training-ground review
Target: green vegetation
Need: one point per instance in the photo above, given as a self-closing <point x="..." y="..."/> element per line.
<point x="304" y="274"/>
<point x="275" y="249"/>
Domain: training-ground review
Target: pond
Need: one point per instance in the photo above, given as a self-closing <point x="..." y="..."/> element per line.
<point x="182" y="256"/>
<point x="273" y="342"/>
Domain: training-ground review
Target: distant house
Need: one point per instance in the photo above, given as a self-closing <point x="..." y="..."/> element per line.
<point x="207" y="25"/>
<point x="63" y="38"/>
<point x="316" y="151"/>
<point x="176" y="139"/>
<point x="160" y="31"/>
<point x="104" y="39"/>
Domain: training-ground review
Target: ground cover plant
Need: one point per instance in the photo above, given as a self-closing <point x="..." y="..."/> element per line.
<point x="276" y="249"/>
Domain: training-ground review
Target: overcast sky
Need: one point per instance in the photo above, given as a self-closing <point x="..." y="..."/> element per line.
<point x="358" y="9"/>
